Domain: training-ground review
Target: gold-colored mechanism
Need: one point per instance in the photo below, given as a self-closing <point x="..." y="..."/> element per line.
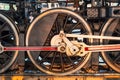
<point x="80" y="46"/>
<point x="72" y="48"/>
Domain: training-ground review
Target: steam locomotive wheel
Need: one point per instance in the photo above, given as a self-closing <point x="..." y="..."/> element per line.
<point x="112" y="58"/>
<point x="8" y="37"/>
<point x="41" y="32"/>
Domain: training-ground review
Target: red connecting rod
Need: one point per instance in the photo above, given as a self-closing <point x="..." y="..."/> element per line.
<point x="35" y="48"/>
<point x="95" y="48"/>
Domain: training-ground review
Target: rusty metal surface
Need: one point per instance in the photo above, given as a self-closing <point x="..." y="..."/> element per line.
<point x="109" y="77"/>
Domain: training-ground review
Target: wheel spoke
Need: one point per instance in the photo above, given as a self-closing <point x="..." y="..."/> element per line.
<point x="7" y="35"/>
<point x="8" y="43"/>
<point x="65" y="23"/>
<point x="8" y="55"/>
<point x="73" y="27"/>
<point x="70" y="60"/>
<point x="117" y="58"/>
<point x="44" y="58"/>
<point x="3" y="26"/>
<point x="62" y="63"/>
<point x="118" y="32"/>
<point x="52" y="63"/>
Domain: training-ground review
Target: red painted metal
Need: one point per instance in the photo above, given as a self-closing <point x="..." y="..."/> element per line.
<point x="32" y="48"/>
<point x="95" y="48"/>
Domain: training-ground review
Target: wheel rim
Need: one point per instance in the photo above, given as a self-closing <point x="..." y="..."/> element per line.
<point x="55" y="63"/>
<point x="112" y="58"/>
<point x="8" y="37"/>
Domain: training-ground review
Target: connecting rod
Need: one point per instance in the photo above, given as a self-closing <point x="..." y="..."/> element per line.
<point x="93" y="36"/>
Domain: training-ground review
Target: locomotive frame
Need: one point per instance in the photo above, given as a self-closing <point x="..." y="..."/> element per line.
<point x="97" y="25"/>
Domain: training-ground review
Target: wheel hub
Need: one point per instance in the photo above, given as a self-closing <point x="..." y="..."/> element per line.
<point x="76" y="50"/>
<point x="57" y="41"/>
